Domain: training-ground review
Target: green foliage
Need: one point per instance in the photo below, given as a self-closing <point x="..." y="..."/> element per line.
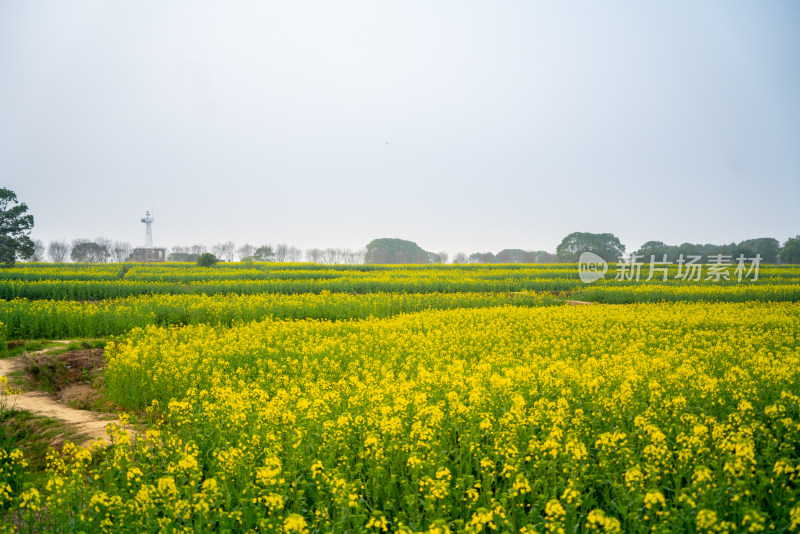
<point x="767" y="247"/>
<point x="394" y="251"/>
<point x="15" y="228"/>
<point x="64" y="319"/>
<point x="264" y="253"/>
<point x="207" y="259"/>
<point x="182" y="257"/>
<point x="513" y="255"/>
<point x="607" y="246"/>
<point x="790" y="253"/>
<point x="89" y="252"/>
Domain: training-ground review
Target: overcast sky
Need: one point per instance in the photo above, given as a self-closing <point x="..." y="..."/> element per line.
<point x="463" y="126"/>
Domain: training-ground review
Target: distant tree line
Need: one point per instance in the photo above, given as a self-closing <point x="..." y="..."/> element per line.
<point x="513" y="255"/>
<point x="608" y="247"/>
<point x="393" y="251"/>
<point x="768" y="248"/>
<point x="16" y="225"/>
<point x="104" y="250"/>
<point x="399" y="251"/>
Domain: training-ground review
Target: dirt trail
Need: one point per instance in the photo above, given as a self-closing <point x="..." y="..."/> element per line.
<point x="85" y="423"/>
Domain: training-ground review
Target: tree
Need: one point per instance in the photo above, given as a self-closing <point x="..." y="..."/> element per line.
<point x="607" y="246"/>
<point x="120" y="251"/>
<point x="657" y="249"/>
<point x="207" y="259"/>
<point x="106" y="243"/>
<point x="281" y="251"/>
<point x="441" y="257"/>
<point x="15" y="229"/>
<point x="224" y="251"/>
<point x="767" y="247"/>
<point x="314" y="255"/>
<point x="264" y="253"/>
<point x="461" y="257"/>
<point x="84" y="251"/>
<point x="293" y="254"/>
<point x="38" y="250"/>
<point x="185" y="254"/>
<point x="542" y="256"/>
<point x="389" y="250"/>
<point x="354" y="257"/>
<point x="332" y="255"/>
<point x="515" y="255"/>
<point x="58" y="251"/>
<point x="482" y="257"/>
<point x="246" y="251"/>
<point x="790" y="253"/>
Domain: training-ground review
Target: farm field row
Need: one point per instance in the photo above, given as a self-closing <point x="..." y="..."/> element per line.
<point x="62" y="319"/>
<point x="98" y="282"/>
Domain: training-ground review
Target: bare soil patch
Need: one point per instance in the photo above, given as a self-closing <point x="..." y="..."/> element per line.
<point x="55" y="372"/>
<point x="64" y="389"/>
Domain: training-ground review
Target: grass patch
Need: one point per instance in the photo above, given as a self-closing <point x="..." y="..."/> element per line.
<point x="34" y="435"/>
<point x="17" y="347"/>
<point x="87" y="344"/>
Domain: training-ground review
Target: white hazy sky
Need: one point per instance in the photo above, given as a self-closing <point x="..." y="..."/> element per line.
<point x="461" y="125"/>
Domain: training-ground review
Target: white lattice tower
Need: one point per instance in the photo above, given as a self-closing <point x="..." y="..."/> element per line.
<point x="148" y="232"/>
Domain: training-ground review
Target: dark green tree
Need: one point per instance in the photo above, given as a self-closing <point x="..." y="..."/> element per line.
<point x="767" y="247"/>
<point x="207" y="259"/>
<point x="482" y="257"/>
<point x="657" y="249"/>
<point x="15" y="229"/>
<point x="607" y="246"/>
<point x="790" y="252"/>
<point x="388" y="250"/>
<point x="89" y="252"/>
<point x="516" y="255"/>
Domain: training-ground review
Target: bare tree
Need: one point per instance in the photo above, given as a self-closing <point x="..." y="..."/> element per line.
<point x="197" y="249"/>
<point x="38" y="251"/>
<point x="218" y="249"/>
<point x="294" y="254"/>
<point x="224" y="251"/>
<point x="440" y="257"/>
<point x="246" y="251"/>
<point x="58" y="251"/>
<point x="315" y="255"/>
<point x="120" y="251"/>
<point x="461" y="257"/>
<point x="105" y="243"/>
<point x="281" y="250"/>
<point x="230" y="251"/>
<point x="332" y="255"/>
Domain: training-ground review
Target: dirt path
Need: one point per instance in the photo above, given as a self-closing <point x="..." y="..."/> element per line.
<point x="578" y="302"/>
<point x="86" y="423"/>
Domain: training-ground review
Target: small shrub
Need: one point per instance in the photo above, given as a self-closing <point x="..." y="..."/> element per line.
<point x="206" y="259"/>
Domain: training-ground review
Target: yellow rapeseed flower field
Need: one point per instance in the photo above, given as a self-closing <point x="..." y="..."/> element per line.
<point x="652" y="417"/>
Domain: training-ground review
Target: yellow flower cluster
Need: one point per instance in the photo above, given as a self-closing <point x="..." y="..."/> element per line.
<point x="609" y="419"/>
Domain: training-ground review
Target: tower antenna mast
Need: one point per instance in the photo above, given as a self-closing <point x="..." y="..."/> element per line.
<point x="148" y="232"/>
